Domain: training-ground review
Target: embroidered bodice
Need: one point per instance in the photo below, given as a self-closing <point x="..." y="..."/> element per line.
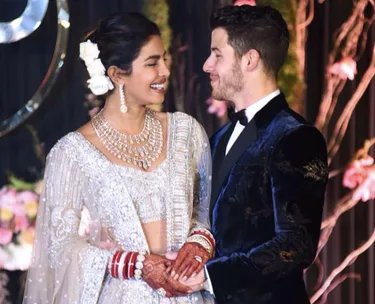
<point x="148" y="191"/>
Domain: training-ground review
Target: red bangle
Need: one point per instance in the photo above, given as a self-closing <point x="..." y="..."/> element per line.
<point x="124" y="269"/>
<point x="117" y="262"/>
<point x="113" y="263"/>
<point x="208" y="236"/>
<point x="132" y="264"/>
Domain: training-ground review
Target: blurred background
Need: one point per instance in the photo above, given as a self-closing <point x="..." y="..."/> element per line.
<point x="328" y="78"/>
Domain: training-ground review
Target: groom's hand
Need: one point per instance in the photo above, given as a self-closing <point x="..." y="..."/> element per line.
<point x="154" y="273"/>
<point x="195" y="283"/>
<point x="188" y="260"/>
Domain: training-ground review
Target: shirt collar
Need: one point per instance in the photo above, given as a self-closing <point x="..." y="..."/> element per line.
<point x="257" y="106"/>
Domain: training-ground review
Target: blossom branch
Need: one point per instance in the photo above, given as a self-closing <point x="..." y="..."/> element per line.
<point x="337" y="282"/>
<point x="301" y="32"/>
<point x="346" y="203"/>
<point x="348" y="37"/>
<point x="319" y="264"/>
<point x="343" y="121"/>
<point x="335" y="272"/>
<point x="334" y="173"/>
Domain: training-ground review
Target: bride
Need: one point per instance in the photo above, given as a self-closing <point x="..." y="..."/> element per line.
<point x="142" y="176"/>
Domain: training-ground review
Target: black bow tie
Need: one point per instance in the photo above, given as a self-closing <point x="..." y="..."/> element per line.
<point x="237" y="116"/>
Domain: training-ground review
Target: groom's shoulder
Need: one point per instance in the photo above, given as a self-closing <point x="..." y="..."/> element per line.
<point x="290" y="124"/>
<point x="287" y="120"/>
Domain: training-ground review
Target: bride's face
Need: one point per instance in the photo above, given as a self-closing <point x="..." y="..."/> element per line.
<point x="146" y="84"/>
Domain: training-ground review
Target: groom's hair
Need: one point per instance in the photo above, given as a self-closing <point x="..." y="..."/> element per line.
<point x="261" y="28"/>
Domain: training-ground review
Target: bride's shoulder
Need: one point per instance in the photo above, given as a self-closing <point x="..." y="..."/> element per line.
<point x="184" y="118"/>
<point x="187" y="121"/>
<point x="70" y="143"/>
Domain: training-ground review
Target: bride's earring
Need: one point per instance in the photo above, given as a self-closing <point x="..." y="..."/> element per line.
<point x="123" y="107"/>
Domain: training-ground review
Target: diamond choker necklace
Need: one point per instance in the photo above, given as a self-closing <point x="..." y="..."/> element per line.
<point x="141" y="149"/>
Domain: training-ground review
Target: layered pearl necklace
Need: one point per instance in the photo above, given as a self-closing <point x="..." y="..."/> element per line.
<point x="141" y="149"/>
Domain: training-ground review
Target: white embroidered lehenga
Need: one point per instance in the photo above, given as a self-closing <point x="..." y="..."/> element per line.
<point x="70" y="268"/>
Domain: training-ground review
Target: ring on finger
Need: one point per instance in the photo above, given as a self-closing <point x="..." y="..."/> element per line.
<point x="161" y="292"/>
<point x="198" y="258"/>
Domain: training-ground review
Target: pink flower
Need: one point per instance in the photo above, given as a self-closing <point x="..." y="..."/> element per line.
<point x="360" y="174"/>
<point x="20" y="223"/>
<point x="27" y="196"/>
<point x="8" y="196"/>
<point x="216" y="107"/>
<point x="245" y="2"/>
<point x="345" y="68"/>
<point x="5" y="236"/>
<point x="366" y="191"/>
<point x="93" y="111"/>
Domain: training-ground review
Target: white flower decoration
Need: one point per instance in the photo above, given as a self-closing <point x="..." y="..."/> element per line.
<point x="88" y="51"/>
<point x="99" y="83"/>
<point x="96" y="68"/>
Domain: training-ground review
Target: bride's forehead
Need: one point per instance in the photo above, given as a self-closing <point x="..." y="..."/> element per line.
<point x="154" y="46"/>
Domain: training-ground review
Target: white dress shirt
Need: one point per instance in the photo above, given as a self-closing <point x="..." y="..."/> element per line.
<point x="250" y="113"/>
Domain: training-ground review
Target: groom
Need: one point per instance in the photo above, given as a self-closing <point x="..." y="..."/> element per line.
<point x="269" y="166"/>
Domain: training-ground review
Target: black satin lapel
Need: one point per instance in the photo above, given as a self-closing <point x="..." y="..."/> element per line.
<point x="218" y="158"/>
<point x="248" y="135"/>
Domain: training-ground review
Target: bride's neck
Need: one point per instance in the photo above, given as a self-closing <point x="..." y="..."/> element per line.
<point x="130" y="122"/>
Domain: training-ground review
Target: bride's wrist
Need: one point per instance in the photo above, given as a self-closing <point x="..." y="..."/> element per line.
<point x="126" y="265"/>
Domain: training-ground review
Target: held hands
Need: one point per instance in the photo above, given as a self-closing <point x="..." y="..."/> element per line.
<point x="190" y="261"/>
<point x="194" y="282"/>
<point x="177" y="274"/>
<point x="155" y="274"/>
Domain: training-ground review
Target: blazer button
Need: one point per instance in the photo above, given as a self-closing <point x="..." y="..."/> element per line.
<point x="231" y="200"/>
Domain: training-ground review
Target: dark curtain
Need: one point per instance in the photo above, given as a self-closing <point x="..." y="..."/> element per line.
<point x="356" y="225"/>
<point x="23" y="65"/>
<point x="189" y="21"/>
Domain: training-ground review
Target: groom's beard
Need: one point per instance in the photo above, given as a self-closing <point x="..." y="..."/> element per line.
<point x="229" y="84"/>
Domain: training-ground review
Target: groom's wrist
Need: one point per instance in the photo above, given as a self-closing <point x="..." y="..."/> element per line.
<point x="207" y="285"/>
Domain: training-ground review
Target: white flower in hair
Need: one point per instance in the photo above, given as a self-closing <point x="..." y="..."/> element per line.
<point x="96" y="68"/>
<point x="88" y="51"/>
<point x="99" y="83"/>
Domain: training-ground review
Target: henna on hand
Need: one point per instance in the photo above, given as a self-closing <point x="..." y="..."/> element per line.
<point x="155" y="275"/>
<point x="186" y="261"/>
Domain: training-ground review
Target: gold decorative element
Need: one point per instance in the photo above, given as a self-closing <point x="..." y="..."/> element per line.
<point x="287" y="256"/>
<point x="316" y="169"/>
<point x="201" y="240"/>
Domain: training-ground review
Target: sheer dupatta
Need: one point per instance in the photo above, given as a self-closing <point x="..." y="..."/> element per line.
<point x="66" y="267"/>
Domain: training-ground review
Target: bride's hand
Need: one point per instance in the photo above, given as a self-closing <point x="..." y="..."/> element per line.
<point x="187" y="260"/>
<point x="154" y="273"/>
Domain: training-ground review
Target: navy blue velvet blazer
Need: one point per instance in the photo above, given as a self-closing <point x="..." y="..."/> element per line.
<point x="266" y="207"/>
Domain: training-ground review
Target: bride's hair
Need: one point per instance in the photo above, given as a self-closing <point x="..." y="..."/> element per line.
<point x="120" y="38"/>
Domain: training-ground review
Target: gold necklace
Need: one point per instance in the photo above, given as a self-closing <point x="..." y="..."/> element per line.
<point x="141" y="149"/>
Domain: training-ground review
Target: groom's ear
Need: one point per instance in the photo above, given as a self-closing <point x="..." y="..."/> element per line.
<point x="251" y="59"/>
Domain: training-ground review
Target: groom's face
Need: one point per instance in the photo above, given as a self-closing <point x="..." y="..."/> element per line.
<point x="224" y="67"/>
